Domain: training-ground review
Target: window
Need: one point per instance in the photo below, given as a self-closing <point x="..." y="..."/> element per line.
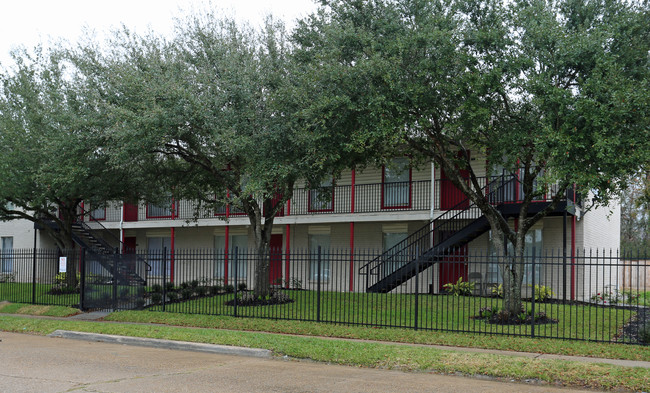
<point x="398" y="257"/>
<point x="316" y="241"/>
<point x="533" y="240"/>
<point x="7" y="256"/>
<point x="396" y="189"/>
<point x="98" y="214"/>
<point x="240" y="242"/>
<point x="164" y="210"/>
<point x="156" y="258"/>
<point x="321" y="199"/>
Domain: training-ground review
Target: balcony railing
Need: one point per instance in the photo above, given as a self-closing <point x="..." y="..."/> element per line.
<point x="339" y="199"/>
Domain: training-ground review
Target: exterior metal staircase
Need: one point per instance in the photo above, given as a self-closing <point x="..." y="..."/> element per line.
<point x="439" y="238"/>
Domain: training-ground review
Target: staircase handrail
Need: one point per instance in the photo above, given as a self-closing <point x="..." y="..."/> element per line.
<point x="446" y="218"/>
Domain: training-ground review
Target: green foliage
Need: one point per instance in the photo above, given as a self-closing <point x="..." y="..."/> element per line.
<point x="172" y="296"/>
<point x="543" y="293"/>
<point x="7" y="277"/>
<point x="497" y="291"/>
<point x="644" y="334"/>
<point x="156" y="288"/>
<point x="60" y="278"/>
<point x="460" y="287"/>
<point x="229" y="288"/>
<point x="241" y="286"/>
<point x="156" y="298"/>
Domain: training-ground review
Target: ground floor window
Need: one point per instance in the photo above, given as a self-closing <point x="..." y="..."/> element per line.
<point x="533" y="242"/>
<point x="156" y="255"/>
<point x="7" y="258"/>
<point x="316" y="241"/>
<point x="397" y="257"/>
<point x="238" y="243"/>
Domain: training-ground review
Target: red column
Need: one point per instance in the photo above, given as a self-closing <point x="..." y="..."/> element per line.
<point x="171" y="259"/>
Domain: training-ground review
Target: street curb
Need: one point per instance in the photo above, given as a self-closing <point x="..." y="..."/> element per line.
<point x="163" y="344"/>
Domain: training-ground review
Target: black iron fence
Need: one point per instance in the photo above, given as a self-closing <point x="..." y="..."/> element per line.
<point x="589" y="296"/>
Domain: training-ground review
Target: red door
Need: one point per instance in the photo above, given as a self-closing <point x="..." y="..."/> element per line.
<point x="129" y="245"/>
<point x="130" y="212"/>
<point x="453" y="267"/>
<point x="275" y="270"/>
<point x="450" y="196"/>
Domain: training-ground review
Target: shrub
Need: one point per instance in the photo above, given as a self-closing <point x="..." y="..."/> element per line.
<point x="60" y="278"/>
<point x="187" y="293"/>
<point x="169" y="286"/>
<point x="194" y="284"/>
<point x="185" y="285"/>
<point x="241" y="286"/>
<point x="487" y="312"/>
<point x="543" y="293"/>
<point x="7" y="277"/>
<point x="215" y="289"/>
<point x="156" y="288"/>
<point x="498" y="291"/>
<point x="229" y="288"/>
<point x="156" y="298"/>
<point x="460" y="287"/>
<point x="644" y="334"/>
<point x="172" y="296"/>
<point x="295" y="283"/>
<point x="201" y="291"/>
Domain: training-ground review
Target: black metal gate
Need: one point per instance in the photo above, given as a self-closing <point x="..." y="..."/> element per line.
<point x="112" y="281"/>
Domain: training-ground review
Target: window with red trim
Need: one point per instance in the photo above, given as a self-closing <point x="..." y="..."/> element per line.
<point x="163" y="210"/>
<point x="321" y="199"/>
<point x="396" y="184"/>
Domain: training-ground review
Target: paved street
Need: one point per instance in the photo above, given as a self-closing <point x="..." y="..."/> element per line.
<point x="45" y="364"/>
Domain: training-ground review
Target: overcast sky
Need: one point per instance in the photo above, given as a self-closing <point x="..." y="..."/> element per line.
<point x="29" y="22"/>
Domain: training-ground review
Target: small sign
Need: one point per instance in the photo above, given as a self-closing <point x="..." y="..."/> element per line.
<point x="63" y="261"/>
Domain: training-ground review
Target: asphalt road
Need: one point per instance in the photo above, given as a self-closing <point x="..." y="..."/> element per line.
<point x="45" y="364"/>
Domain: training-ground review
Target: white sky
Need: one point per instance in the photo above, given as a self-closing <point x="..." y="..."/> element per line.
<point x="30" y="22"/>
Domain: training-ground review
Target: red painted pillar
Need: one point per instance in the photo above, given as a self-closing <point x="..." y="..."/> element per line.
<point x="352" y="233"/>
<point x="287" y="270"/>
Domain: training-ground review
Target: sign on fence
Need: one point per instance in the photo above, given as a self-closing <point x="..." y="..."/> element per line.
<point x="62" y="264"/>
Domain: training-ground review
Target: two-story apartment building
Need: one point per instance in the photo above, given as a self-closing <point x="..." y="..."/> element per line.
<point x="375" y="209"/>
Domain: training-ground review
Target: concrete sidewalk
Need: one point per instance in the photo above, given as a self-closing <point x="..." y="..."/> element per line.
<point x="96" y="316"/>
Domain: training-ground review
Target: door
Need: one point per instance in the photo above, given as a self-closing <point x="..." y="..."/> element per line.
<point x="453" y="267"/>
<point x="130" y="212"/>
<point x="275" y="270"/>
<point x="450" y="196"/>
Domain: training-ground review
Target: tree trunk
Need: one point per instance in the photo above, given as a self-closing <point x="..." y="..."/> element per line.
<point x="262" y="234"/>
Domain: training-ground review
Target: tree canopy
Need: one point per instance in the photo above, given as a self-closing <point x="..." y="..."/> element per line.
<point x="551" y="91"/>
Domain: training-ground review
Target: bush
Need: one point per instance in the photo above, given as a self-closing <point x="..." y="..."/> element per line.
<point x="169" y="287"/>
<point x="156" y="298"/>
<point x="241" y="286"/>
<point x="185" y="285"/>
<point x="644" y="334"/>
<point x="543" y="293"/>
<point x="156" y="288"/>
<point x="229" y="288"/>
<point x="201" y="291"/>
<point x="498" y="291"/>
<point x="60" y="278"/>
<point x="194" y="284"/>
<point x="460" y="287"/>
<point x="215" y="289"/>
<point x="172" y="296"/>
<point x="187" y="293"/>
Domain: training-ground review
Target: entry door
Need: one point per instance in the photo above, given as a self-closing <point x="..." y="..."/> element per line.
<point x="453" y="267"/>
<point x="129" y="245"/>
<point x="275" y="270"/>
<point x="130" y="212"/>
<point x="450" y="196"/>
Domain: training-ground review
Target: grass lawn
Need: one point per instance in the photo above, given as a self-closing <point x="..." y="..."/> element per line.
<point x="22" y="293"/>
<point x="30" y="309"/>
<point x="367" y="354"/>
<point x="436" y="312"/>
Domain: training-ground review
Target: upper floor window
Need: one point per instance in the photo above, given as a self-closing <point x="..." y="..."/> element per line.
<point x="7" y="256"/>
<point x="162" y="210"/>
<point x="321" y="198"/>
<point x="98" y="213"/>
<point x="396" y="187"/>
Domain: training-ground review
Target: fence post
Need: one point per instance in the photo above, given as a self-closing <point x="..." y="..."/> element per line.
<point x="115" y="279"/>
<point x="234" y="281"/>
<point x="318" y="279"/>
<point x="34" y="272"/>
<point x="164" y="273"/>
<point x="82" y="279"/>
<point x="532" y="311"/>
<point x="417" y="290"/>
